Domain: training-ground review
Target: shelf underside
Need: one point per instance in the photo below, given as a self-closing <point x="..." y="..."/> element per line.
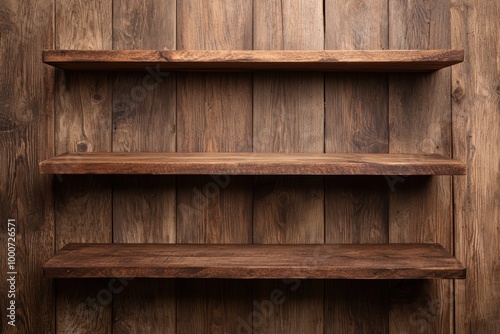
<point x="342" y="261"/>
<point x="251" y="164"/>
<point x="255" y="60"/>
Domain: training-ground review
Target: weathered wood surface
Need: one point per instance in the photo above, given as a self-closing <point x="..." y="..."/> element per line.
<point x="420" y="211"/>
<point x="26" y="137"/>
<point x="253" y="164"/>
<point x="144" y="119"/>
<point x="288" y="116"/>
<point x="214" y="114"/>
<point x="82" y="124"/>
<point x="356" y="208"/>
<point x="476" y="140"/>
<point x="330" y="60"/>
<point x="362" y="261"/>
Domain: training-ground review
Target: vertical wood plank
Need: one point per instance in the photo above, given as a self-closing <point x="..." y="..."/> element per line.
<point x="420" y="122"/>
<point x="144" y="116"/>
<point x="214" y="114"/>
<point x="83" y="124"/>
<point x="26" y="137"/>
<point x="356" y="122"/>
<point x="476" y="139"/>
<point x="288" y="117"/>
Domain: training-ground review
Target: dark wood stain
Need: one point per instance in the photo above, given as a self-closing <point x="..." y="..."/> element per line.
<point x="356" y="122"/>
<point x="476" y="138"/>
<point x="253" y="164"/>
<point x="421" y="213"/>
<point x="144" y="106"/>
<point x="251" y="106"/>
<point x="258" y="60"/>
<point x="26" y="137"/>
<point x="364" y="261"/>
<point x="214" y="114"/>
<point x="83" y="207"/>
<point x="288" y="116"/>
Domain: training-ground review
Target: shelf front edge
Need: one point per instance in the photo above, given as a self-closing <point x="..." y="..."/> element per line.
<point x="255" y="60"/>
<point x="251" y="164"/>
<point x="340" y="261"/>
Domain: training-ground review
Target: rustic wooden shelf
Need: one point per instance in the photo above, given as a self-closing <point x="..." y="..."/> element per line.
<point x="342" y="261"/>
<point x="251" y="164"/>
<point x="258" y="60"/>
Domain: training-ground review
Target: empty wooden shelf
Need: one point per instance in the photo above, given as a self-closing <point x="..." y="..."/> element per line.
<point x="342" y="261"/>
<point x="257" y="60"/>
<point x="251" y="164"/>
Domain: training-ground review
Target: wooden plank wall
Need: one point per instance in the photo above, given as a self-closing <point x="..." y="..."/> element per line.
<point x="476" y="140"/>
<point x="26" y="137"/>
<point x="83" y="204"/>
<point x="356" y="122"/>
<point x="419" y="121"/>
<point x="214" y="114"/>
<point x="288" y="117"/>
<point x="453" y="112"/>
<point x="144" y="106"/>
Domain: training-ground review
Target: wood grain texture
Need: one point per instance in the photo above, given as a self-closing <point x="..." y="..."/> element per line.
<point x="83" y="124"/>
<point x="421" y="211"/>
<point x="347" y="300"/>
<point x="476" y="139"/>
<point x="213" y="115"/>
<point x="252" y="164"/>
<point x="363" y="261"/>
<point x="356" y="122"/>
<point x="144" y="119"/>
<point x="27" y="27"/>
<point x="288" y="116"/>
<point x="26" y="135"/>
<point x="277" y="60"/>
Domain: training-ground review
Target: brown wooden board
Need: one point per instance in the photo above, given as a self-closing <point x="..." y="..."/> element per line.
<point x="362" y="261"/>
<point x="297" y="59"/>
<point x="27" y="122"/>
<point x="213" y="115"/>
<point x="421" y="211"/>
<point x="252" y="164"/>
<point x="288" y="116"/>
<point x="144" y="119"/>
<point x="356" y="107"/>
<point x="476" y="140"/>
<point x="26" y="136"/>
<point x="82" y="124"/>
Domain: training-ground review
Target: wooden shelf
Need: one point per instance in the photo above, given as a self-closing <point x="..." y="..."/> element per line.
<point x="343" y="261"/>
<point x="251" y="164"/>
<point x="255" y="60"/>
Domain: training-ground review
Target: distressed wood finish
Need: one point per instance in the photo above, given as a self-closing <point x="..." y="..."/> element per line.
<point x="288" y="116"/>
<point x="253" y="164"/>
<point x="421" y="211"/>
<point x="83" y="124"/>
<point x="144" y="119"/>
<point x="332" y="60"/>
<point x="26" y="131"/>
<point x="84" y="204"/>
<point x="26" y="135"/>
<point x="213" y="115"/>
<point x="356" y="122"/>
<point x="363" y="261"/>
<point x="476" y="140"/>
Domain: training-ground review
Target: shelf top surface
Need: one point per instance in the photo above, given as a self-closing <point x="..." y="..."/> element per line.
<point x="255" y="60"/>
<point x="251" y="164"/>
<point x="359" y="261"/>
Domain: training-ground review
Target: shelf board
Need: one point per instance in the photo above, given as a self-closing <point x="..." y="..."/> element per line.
<point x="251" y="164"/>
<point x="255" y="60"/>
<point x="341" y="261"/>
